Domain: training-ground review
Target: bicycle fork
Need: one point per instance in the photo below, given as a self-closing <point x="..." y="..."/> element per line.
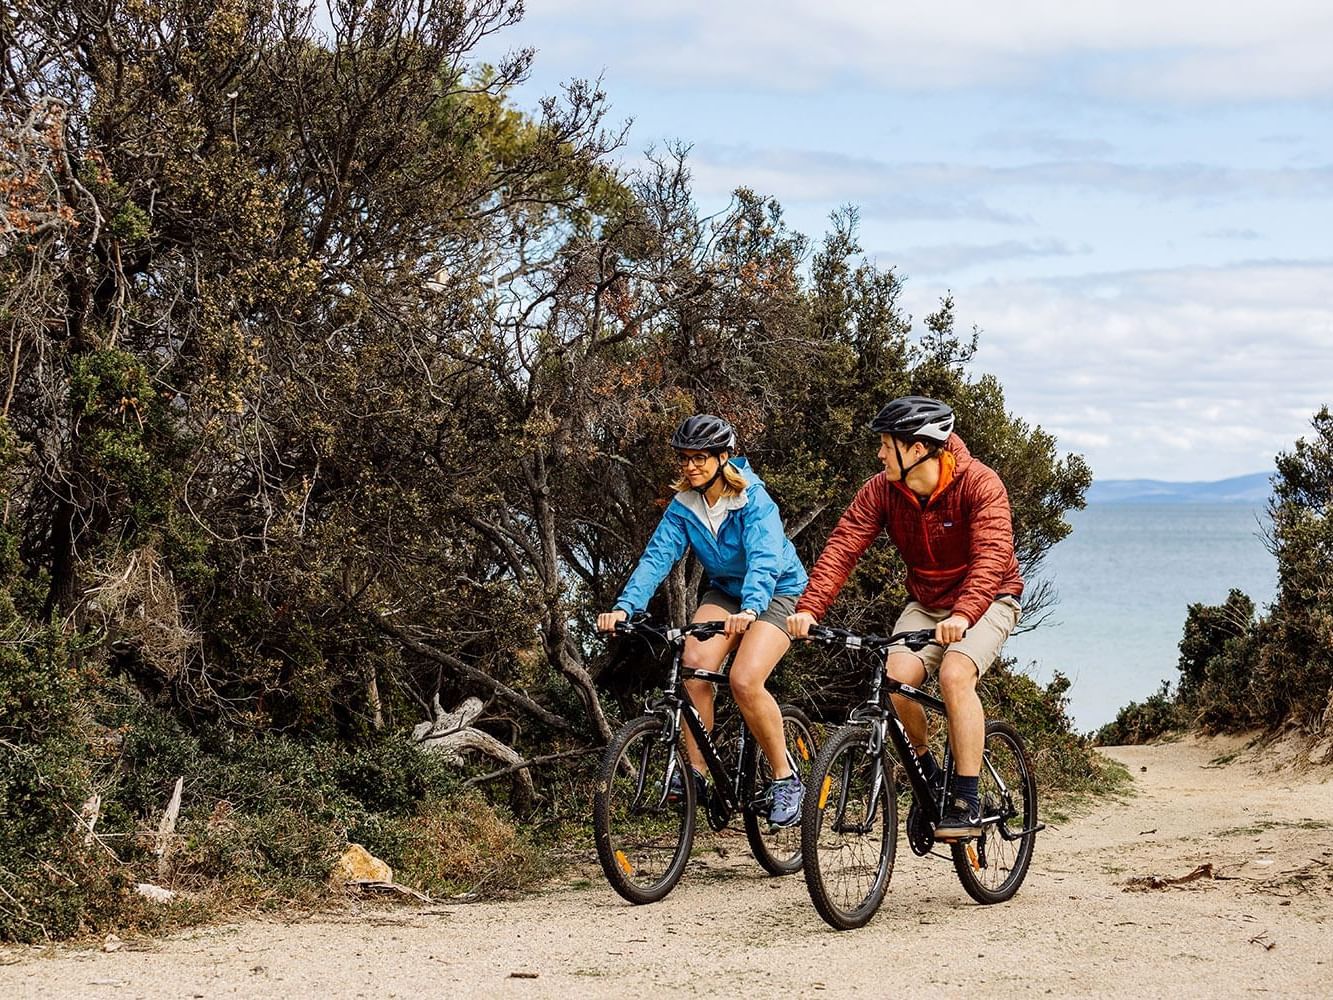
<point x="874" y="754"/>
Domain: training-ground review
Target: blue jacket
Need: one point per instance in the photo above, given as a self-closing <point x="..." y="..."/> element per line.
<point x="751" y="558"/>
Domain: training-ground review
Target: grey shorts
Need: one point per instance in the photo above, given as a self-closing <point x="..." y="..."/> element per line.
<point x="982" y="642"/>
<point x="776" y="613"/>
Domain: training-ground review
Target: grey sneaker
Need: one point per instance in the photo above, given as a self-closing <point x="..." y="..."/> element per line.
<point x="787" y="794"/>
<point x="961" y="821"/>
<point x="676" y="787"/>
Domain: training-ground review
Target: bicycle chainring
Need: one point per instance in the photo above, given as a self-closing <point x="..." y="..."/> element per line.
<point x="919" y="834"/>
<point x="719" y="814"/>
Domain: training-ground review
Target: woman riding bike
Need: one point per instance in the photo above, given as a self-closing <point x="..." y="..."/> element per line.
<point x="723" y="513"/>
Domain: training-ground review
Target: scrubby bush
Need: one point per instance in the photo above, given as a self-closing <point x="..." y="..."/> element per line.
<point x="1064" y="761"/>
<point x="1242" y="671"/>
<point x="1158" y="715"/>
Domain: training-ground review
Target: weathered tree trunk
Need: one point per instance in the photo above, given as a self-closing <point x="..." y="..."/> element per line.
<point x="451" y="734"/>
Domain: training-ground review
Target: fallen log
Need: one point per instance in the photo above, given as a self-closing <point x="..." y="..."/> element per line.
<point x="451" y="734"/>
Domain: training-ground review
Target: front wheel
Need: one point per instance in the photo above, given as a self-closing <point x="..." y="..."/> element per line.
<point x="643" y="834"/>
<point x="779" y="851"/>
<point x="849" y="829"/>
<point x="992" y="866"/>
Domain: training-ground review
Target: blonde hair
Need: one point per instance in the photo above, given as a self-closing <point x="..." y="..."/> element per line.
<point x="733" y="482"/>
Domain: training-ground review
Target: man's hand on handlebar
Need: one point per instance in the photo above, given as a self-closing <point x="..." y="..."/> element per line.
<point x="951" y="629"/>
<point x="798" y="625"/>
<point x="606" y="621"/>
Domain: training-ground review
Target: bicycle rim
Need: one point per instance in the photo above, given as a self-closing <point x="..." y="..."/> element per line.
<point x="643" y="840"/>
<point x="849" y="829"/>
<point x="992" y="867"/>
<point x="779" y="851"/>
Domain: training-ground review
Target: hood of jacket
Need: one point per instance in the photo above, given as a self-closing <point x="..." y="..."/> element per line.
<point x="694" y="502"/>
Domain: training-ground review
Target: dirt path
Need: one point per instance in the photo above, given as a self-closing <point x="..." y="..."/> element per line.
<point x="1265" y="928"/>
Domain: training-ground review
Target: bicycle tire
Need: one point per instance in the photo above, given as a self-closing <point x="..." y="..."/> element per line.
<point x="643" y="841"/>
<point x="779" y="852"/>
<point x="847" y="871"/>
<point x="992" y="867"/>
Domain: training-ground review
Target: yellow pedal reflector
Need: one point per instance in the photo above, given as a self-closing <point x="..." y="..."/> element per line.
<point x="972" y="856"/>
<point x="823" y="792"/>
<point x="802" y="749"/>
<point x="623" y="861"/>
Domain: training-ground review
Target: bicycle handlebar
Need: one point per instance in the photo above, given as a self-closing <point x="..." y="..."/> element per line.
<point x="915" y="639"/>
<point x="700" y="630"/>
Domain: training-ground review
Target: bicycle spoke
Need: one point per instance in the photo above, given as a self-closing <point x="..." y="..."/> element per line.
<point x="850" y="830"/>
<point x="779" y="851"/>
<point x="643" y="839"/>
<point x="992" y="867"/>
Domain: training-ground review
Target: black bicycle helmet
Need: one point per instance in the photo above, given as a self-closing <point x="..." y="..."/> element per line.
<point x="915" y="418"/>
<point x="704" y="432"/>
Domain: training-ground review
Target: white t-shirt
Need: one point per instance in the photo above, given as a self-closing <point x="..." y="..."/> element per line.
<point x="717" y="513"/>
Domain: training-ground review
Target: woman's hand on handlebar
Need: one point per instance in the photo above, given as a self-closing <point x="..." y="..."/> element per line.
<point x="738" y="623"/>
<point x="799" y="624"/>
<point x="951" y="629"/>
<point x="606" y="621"/>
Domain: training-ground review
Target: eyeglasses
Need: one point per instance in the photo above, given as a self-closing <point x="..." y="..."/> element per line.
<point x="698" y="461"/>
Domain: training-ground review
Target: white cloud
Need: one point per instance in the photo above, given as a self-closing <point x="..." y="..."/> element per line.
<point x="1186" y="49"/>
<point x="949" y="257"/>
<point x="957" y="190"/>
<point x="1045" y="142"/>
<point x="1189" y="374"/>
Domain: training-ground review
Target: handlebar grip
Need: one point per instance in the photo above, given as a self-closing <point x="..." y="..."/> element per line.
<point x="828" y="632"/>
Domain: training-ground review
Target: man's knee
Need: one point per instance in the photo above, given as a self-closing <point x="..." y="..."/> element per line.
<point x="958" y="676"/>
<point x="906" y="669"/>
<point x="699" y="690"/>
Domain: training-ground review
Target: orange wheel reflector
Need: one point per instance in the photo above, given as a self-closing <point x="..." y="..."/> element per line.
<point x="623" y="861"/>
<point x="802" y="749"/>
<point x="972" y="856"/>
<point x="823" y="792"/>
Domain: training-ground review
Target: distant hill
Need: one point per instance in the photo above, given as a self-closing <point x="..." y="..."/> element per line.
<point x="1253" y="489"/>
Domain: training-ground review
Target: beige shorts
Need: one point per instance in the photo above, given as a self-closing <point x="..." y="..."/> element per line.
<point x="776" y="613"/>
<point x="981" y="644"/>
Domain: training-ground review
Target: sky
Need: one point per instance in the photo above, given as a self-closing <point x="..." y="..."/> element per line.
<point x="1132" y="202"/>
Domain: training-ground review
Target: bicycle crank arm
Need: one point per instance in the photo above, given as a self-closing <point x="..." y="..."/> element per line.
<point x="857" y="828"/>
<point x="1021" y="833"/>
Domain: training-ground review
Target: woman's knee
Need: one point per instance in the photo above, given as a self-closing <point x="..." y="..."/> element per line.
<point x="748" y="686"/>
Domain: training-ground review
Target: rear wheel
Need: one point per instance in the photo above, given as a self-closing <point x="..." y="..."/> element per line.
<point x="993" y="866"/>
<point x="849" y="829"/>
<point x="643" y="839"/>
<point x="779" y="851"/>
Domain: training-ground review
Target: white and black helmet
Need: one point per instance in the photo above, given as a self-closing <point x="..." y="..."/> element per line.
<point x="704" y="432"/>
<point x="915" y="418"/>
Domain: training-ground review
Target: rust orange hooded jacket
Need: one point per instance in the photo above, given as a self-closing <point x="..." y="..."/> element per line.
<point x="958" y="548"/>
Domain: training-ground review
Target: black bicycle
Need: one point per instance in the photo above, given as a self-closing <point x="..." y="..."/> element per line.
<point x="645" y="832"/>
<point x="849" y="823"/>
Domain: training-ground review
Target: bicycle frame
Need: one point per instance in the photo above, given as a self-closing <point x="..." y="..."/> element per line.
<point x="675" y="706"/>
<point x="879" y="713"/>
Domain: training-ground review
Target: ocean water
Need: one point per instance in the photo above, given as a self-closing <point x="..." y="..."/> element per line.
<point x="1125" y="576"/>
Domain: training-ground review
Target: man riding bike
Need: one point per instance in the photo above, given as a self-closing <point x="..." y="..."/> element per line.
<point x="949" y="517"/>
<point x="723" y="513"/>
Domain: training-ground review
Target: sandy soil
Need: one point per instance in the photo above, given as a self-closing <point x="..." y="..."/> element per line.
<point x="1264" y="928"/>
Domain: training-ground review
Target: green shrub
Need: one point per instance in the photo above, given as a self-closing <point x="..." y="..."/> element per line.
<point x="1066" y="763"/>
<point x="1158" y="715"/>
<point x="460" y="844"/>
